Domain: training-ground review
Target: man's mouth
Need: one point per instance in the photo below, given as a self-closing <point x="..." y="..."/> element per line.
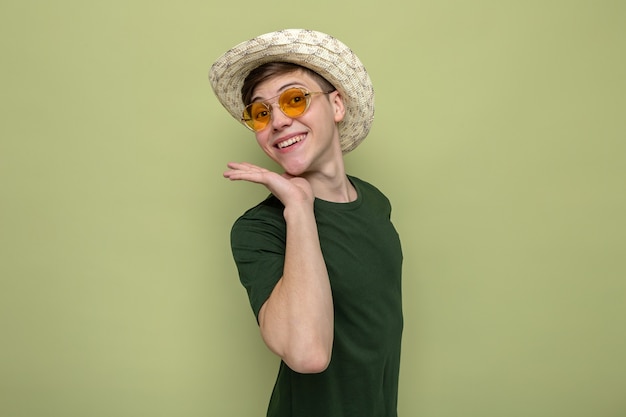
<point x="286" y="143"/>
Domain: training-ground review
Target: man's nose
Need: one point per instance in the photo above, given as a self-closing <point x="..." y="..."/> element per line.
<point x="279" y="119"/>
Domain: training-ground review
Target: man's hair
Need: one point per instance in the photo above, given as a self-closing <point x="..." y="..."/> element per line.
<point x="272" y="69"/>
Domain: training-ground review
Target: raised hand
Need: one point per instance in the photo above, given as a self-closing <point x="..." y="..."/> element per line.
<point x="288" y="189"/>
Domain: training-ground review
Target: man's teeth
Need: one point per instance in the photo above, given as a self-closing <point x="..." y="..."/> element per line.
<point x="290" y="141"/>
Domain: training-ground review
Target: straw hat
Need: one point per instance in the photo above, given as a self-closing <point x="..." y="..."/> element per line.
<point x="317" y="51"/>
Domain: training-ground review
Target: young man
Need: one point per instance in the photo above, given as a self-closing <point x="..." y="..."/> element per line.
<point x="320" y="258"/>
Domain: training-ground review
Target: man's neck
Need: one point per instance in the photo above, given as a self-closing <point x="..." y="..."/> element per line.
<point x="335" y="188"/>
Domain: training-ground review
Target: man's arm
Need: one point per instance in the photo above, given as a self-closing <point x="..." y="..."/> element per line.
<point x="297" y="320"/>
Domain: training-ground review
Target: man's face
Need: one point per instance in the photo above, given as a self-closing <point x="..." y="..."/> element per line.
<point x="309" y="142"/>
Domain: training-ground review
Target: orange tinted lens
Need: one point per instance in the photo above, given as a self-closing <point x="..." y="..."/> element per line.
<point x="293" y="102"/>
<point x="256" y="116"/>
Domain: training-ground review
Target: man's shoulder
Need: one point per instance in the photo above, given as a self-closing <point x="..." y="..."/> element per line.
<point x="269" y="210"/>
<point x="270" y="205"/>
<point x="366" y="188"/>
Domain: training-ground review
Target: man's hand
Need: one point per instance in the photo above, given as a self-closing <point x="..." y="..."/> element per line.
<point x="288" y="189"/>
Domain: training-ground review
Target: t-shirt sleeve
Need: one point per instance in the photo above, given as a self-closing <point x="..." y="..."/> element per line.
<point x="258" y="247"/>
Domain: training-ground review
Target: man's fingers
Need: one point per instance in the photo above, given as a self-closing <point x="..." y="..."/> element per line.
<point x="248" y="172"/>
<point x="244" y="166"/>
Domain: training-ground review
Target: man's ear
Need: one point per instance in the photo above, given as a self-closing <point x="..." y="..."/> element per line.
<point x="338" y="106"/>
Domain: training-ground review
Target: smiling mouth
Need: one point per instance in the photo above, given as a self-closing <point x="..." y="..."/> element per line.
<point x="286" y="143"/>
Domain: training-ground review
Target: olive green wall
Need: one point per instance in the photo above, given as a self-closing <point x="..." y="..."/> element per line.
<point x="500" y="138"/>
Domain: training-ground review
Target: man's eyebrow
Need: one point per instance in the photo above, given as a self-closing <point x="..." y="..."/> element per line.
<point x="281" y="89"/>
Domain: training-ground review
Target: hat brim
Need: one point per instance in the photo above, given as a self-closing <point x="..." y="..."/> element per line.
<point x="317" y="51"/>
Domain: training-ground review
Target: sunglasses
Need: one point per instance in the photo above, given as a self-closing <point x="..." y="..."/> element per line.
<point x="293" y="102"/>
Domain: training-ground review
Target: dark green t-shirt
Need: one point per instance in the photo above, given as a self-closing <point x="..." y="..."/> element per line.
<point x="363" y="256"/>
